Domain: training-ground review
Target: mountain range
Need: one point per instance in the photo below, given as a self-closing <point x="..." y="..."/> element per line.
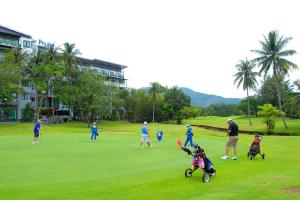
<point x="205" y="100"/>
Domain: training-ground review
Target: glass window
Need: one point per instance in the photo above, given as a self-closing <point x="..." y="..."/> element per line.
<point x="26" y="44"/>
<point x="14" y="96"/>
<point x="25" y="96"/>
<point x="9" y="42"/>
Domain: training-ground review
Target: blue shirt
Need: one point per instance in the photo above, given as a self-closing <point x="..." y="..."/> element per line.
<point x="94" y="129"/>
<point x="144" y="130"/>
<point x="189" y="131"/>
<point x="37" y="128"/>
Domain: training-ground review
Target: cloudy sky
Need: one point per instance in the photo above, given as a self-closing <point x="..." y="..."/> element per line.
<point x="188" y="43"/>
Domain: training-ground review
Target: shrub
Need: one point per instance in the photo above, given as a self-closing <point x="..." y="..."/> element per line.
<point x="269" y="114"/>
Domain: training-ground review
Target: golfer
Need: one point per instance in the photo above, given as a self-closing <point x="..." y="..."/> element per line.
<point x="94" y="130"/>
<point x="145" y="136"/>
<point x="36" y="132"/>
<point x="189" y="136"/>
<point x="233" y="139"/>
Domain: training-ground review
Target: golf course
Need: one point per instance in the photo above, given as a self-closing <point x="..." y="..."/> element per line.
<point x="65" y="165"/>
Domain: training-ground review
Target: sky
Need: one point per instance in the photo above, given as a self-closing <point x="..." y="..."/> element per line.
<point x="185" y="43"/>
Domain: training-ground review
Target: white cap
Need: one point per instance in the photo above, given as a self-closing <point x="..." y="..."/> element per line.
<point x="94" y="123"/>
<point x="187" y="125"/>
<point x="145" y="122"/>
<point x="228" y="120"/>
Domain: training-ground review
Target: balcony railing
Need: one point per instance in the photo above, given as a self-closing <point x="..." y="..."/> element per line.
<point x="9" y="42"/>
<point x="104" y="72"/>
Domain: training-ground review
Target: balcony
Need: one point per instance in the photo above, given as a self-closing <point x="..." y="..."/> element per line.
<point x="104" y="72"/>
<point x="9" y="42"/>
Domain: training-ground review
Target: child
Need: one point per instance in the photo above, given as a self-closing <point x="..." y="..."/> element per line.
<point x="159" y="135"/>
<point x="94" y="130"/>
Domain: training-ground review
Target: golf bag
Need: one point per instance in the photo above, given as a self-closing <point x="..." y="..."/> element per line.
<point x="200" y="161"/>
<point x="256" y="148"/>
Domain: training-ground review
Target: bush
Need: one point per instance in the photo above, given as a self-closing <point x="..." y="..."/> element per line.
<point x="179" y="119"/>
<point x="269" y="114"/>
<point x="28" y="113"/>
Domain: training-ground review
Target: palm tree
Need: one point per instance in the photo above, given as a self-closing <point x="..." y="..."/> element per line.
<point x="36" y="60"/>
<point x="154" y="91"/>
<point x="272" y="58"/>
<point x="52" y="53"/>
<point x="69" y="53"/>
<point x="51" y="58"/>
<point x="247" y="77"/>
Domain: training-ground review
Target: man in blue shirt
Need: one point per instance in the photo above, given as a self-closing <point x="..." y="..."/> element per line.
<point x="94" y="130"/>
<point x="36" y="132"/>
<point x="145" y="136"/>
<point x="189" y="136"/>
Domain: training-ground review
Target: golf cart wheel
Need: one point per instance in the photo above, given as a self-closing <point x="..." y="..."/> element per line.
<point x="263" y="155"/>
<point x="188" y="172"/>
<point x="251" y="157"/>
<point x="205" y="177"/>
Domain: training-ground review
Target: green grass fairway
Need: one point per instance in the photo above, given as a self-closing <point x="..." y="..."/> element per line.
<point x="243" y="122"/>
<point x="67" y="166"/>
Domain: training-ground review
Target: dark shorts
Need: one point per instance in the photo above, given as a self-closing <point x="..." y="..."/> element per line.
<point x="36" y="134"/>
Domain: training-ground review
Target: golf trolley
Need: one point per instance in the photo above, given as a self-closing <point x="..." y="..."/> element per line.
<point x="199" y="161"/>
<point x="256" y="148"/>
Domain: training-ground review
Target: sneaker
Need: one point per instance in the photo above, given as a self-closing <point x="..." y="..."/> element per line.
<point x="233" y="158"/>
<point x="90" y="140"/>
<point x="225" y="157"/>
<point x="33" y="143"/>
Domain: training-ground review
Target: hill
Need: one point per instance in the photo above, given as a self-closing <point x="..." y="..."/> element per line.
<point x="205" y="100"/>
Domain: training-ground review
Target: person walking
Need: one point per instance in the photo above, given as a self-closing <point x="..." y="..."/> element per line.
<point x="189" y="136"/>
<point x="145" y="136"/>
<point x="233" y="139"/>
<point x="94" y="130"/>
<point x="36" y="132"/>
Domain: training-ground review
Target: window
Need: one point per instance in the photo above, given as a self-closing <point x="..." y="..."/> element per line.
<point x="9" y="42"/>
<point x="25" y="96"/>
<point x="25" y="83"/>
<point x="26" y="44"/>
<point x="14" y="96"/>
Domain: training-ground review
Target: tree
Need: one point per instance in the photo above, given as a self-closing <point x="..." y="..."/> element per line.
<point x="269" y="113"/>
<point x="52" y="54"/>
<point x="253" y="102"/>
<point x="190" y="112"/>
<point x="272" y="58"/>
<point x="91" y="98"/>
<point x="69" y="53"/>
<point x="18" y="58"/>
<point x="247" y="77"/>
<point x="177" y="99"/>
<point x="155" y="91"/>
<point x="9" y="81"/>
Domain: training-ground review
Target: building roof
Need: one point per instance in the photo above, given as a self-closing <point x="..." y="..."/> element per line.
<point x="11" y="32"/>
<point x="97" y="62"/>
